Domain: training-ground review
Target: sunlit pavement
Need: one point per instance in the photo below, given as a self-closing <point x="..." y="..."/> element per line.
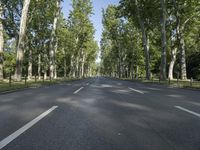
<point x="100" y="114"/>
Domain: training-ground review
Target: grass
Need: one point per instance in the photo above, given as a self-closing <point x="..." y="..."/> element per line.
<point x="5" y="86"/>
<point x="173" y="83"/>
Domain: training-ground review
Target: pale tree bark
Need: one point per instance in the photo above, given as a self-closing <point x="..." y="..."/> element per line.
<point x="30" y="64"/>
<point x="172" y="62"/>
<point x="1" y="42"/>
<point x="182" y="50"/>
<point x="82" y="65"/>
<point x="183" y="59"/>
<point x="173" y="53"/>
<point x="55" y="64"/>
<point x="137" y="72"/>
<point x="52" y="41"/>
<point x="72" y="67"/>
<point x="65" y="62"/>
<point x="39" y="66"/>
<point x="45" y="75"/>
<point x="77" y="67"/>
<point x="182" y="45"/>
<point x="90" y="72"/>
<point x="145" y="42"/>
<point x="164" y="41"/>
<point x="20" y="44"/>
<point x="46" y="62"/>
<point x="181" y="41"/>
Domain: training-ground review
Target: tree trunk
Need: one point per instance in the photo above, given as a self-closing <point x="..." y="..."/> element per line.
<point x="132" y="59"/>
<point x="183" y="59"/>
<point x="45" y="62"/>
<point x="131" y="71"/>
<point x="39" y="66"/>
<point x="30" y="64"/>
<point x="20" y="45"/>
<point x="173" y="55"/>
<point x="52" y="41"/>
<point x="65" y="68"/>
<point x="82" y="69"/>
<point x="137" y="72"/>
<point x="145" y="43"/>
<point x="72" y="67"/>
<point x="77" y="67"/>
<point x="90" y="72"/>
<point x="119" y="60"/>
<point x="164" y="41"/>
<point x="1" y="43"/>
<point x="55" y="64"/>
<point x="45" y="75"/>
<point x="65" y="63"/>
<point x="182" y="52"/>
<point x="172" y="62"/>
<point x="181" y="42"/>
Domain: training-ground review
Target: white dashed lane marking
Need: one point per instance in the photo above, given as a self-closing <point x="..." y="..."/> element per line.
<point x="188" y="111"/>
<point x="17" y="133"/>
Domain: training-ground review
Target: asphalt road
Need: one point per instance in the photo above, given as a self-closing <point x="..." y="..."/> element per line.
<point x="100" y="114"/>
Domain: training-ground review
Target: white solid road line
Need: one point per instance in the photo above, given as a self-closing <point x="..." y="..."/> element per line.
<point x="17" y="133"/>
<point x="136" y="90"/>
<point x="78" y="90"/>
<point x="189" y="111"/>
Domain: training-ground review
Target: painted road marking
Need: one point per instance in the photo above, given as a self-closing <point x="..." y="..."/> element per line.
<point x="17" y="133"/>
<point x="78" y="90"/>
<point x="138" y="91"/>
<point x="186" y="110"/>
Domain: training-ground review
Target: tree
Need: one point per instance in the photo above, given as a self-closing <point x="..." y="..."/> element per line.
<point x="82" y="32"/>
<point x="164" y="40"/>
<point x="145" y="15"/>
<point x="20" y="45"/>
<point x="1" y="42"/>
<point x="53" y="42"/>
<point x="185" y="12"/>
<point x="136" y="37"/>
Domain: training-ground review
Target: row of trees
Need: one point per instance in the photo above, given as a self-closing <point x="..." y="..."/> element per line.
<point x="159" y="37"/>
<point x="36" y="39"/>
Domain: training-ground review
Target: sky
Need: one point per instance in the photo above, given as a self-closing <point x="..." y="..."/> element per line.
<point x="96" y="18"/>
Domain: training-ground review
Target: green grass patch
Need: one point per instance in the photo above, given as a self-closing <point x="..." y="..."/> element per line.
<point x="6" y="86"/>
<point x="173" y="83"/>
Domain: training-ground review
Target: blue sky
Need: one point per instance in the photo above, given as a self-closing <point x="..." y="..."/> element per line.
<point x="97" y="17"/>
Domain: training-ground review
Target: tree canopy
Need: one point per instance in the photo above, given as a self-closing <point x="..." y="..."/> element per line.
<point x="152" y="38"/>
<point x="36" y="39"/>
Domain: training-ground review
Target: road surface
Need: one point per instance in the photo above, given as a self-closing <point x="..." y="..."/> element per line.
<point x="100" y="114"/>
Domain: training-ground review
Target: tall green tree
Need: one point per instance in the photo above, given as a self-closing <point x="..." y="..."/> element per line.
<point x="20" y="45"/>
<point x="83" y="33"/>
